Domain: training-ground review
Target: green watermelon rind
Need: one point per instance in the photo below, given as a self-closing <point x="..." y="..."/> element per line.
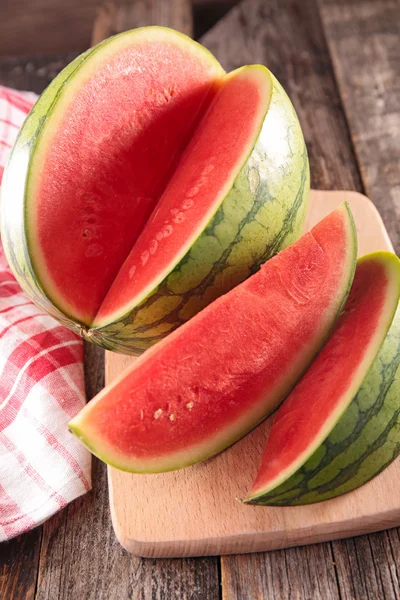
<point x="363" y="438"/>
<point x="263" y="213"/>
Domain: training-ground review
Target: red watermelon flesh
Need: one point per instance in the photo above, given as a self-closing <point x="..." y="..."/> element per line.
<point x="143" y="150"/>
<point x="205" y="172"/>
<point x="220" y="374"/>
<point x="117" y="135"/>
<point x="312" y="409"/>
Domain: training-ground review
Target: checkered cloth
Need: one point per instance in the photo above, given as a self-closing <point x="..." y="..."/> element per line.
<point x="42" y="466"/>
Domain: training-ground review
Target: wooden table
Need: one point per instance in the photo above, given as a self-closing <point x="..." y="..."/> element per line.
<point x="340" y="63"/>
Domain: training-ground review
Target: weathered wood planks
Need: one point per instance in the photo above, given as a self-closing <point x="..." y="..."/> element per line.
<point x="295" y="48"/>
<point x="364" y="42"/>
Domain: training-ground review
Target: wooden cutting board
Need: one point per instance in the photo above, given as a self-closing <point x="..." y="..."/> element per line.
<point x="195" y="512"/>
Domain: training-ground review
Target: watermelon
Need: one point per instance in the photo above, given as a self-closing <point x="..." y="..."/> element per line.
<point x="340" y="426"/>
<point x="146" y="182"/>
<point x="220" y="374"/>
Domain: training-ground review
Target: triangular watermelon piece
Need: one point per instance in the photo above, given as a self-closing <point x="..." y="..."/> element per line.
<point x="219" y="375"/>
<point x="337" y="428"/>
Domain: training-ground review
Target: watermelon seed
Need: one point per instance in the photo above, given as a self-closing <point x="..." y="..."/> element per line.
<point x="169" y="93"/>
<point x="168" y="229"/>
<point x="189" y="405"/>
<point x="172" y="417"/>
<point x="141" y="415"/>
<point x="187" y="204"/>
<point x="89" y="198"/>
<point x="158" y="414"/>
<point x="208" y="168"/>
<point x="93" y="250"/>
<point x="105" y="188"/>
<point x="192" y="192"/>
<point x="153" y="246"/>
<point x="179" y="218"/>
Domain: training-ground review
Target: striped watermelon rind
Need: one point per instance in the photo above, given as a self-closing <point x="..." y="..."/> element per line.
<point x="263" y="213"/>
<point x="364" y="440"/>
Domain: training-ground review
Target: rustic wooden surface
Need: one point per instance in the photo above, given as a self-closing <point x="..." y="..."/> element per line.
<point x="339" y="62"/>
<point x="55" y="26"/>
<point x="365" y="49"/>
<point x="113" y="18"/>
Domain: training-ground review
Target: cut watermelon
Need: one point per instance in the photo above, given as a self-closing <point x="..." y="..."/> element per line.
<point x="219" y="375"/>
<point x="340" y="426"/>
<point x="146" y="182"/>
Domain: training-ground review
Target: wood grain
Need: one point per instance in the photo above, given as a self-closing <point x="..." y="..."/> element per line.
<point x="46" y="26"/>
<point x="81" y="558"/>
<point x="115" y="17"/>
<point x="353" y="559"/>
<point x="364" y="41"/>
<point x="56" y="26"/>
<point x="307" y="573"/>
<point x="19" y="561"/>
<point x="32" y="73"/>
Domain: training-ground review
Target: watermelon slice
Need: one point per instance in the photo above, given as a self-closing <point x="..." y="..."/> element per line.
<point x="220" y="374"/>
<point x="340" y="426"/>
<point x="146" y="182"/>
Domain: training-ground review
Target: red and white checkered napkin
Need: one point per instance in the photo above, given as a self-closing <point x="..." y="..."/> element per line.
<point x="42" y="466"/>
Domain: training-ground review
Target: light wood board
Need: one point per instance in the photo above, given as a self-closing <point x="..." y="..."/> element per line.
<point x="195" y="512"/>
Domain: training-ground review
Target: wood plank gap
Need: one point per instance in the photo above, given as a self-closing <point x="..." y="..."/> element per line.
<point x="336" y="571"/>
<point x="38" y="564"/>
<point x="378" y="575"/>
<point x="219" y="571"/>
<point x="396" y="584"/>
